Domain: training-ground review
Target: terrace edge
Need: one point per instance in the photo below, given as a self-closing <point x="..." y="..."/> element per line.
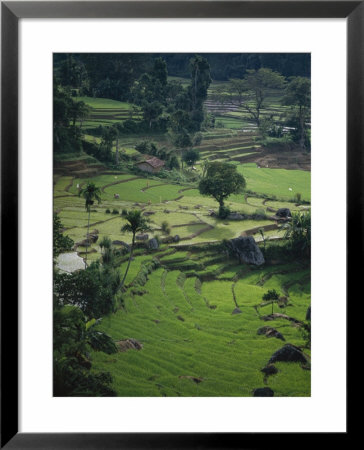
<point x="10" y="13"/>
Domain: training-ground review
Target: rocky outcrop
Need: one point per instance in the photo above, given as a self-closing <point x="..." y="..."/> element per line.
<point x="271" y="332"/>
<point x="288" y="353"/>
<point x="246" y="250"/>
<point x="122" y="243"/>
<point x="263" y="392"/>
<point x="283" y="213"/>
<point x="128" y="344"/>
<point x="142" y="237"/>
<point x="153" y="244"/>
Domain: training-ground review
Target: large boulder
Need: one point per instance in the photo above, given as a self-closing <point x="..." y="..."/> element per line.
<point x="288" y="353"/>
<point x="128" y="344"/>
<point x="271" y="332"/>
<point x="153" y="244"/>
<point x="92" y="238"/>
<point x="122" y="243"/>
<point x="263" y="392"/>
<point x="235" y="216"/>
<point x="142" y="237"/>
<point x="246" y="250"/>
<point x="283" y="213"/>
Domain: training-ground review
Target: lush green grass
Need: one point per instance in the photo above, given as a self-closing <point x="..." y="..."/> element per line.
<point x="277" y="181"/>
<point x="187" y="329"/>
<point x="104" y="103"/>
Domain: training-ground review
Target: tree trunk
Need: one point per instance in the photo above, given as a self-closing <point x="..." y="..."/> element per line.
<point x="117" y="152"/>
<point x="302" y="129"/>
<point x="88" y="231"/>
<point x="130" y="258"/>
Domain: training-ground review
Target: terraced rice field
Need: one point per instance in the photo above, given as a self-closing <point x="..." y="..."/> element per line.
<point x="185" y="210"/>
<point x="192" y="343"/>
<point x="105" y="112"/>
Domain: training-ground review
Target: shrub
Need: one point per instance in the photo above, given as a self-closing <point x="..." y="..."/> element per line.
<point x="298" y="197"/>
<point x="115" y="211"/>
<point x="272" y="295"/>
<point x="107" y="211"/>
<point x="165" y="227"/>
<point x="124" y="212"/>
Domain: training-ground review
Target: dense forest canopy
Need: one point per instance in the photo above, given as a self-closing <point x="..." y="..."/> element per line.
<point x="119" y="70"/>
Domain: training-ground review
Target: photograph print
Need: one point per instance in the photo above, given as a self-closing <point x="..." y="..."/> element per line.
<point x="182" y="224"/>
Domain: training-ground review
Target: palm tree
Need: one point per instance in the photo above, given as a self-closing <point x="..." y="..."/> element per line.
<point x="136" y="224"/>
<point x="90" y="193"/>
<point x="298" y="231"/>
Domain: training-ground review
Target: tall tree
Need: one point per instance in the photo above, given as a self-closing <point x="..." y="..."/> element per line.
<point x="251" y="92"/>
<point x="298" y="95"/>
<point x="221" y="180"/>
<point x="74" y="336"/>
<point x="136" y="223"/>
<point x="61" y="243"/>
<point x="90" y="193"/>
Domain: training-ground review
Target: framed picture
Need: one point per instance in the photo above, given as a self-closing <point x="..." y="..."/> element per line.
<point x="138" y="162"/>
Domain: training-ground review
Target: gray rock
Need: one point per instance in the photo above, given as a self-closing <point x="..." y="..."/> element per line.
<point x="148" y="213"/>
<point x="122" y="243"/>
<point x="236" y="311"/>
<point x="235" y="216"/>
<point x="288" y="353"/>
<point x="176" y="238"/>
<point x="142" y="237"/>
<point x="284" y="213"/>
<point x="153" y="244"/>
<point x="308" y="313"/>
<point x="92" y="238"/>
<point x="128" y="344"/>
<point x="270" y="332"/>
<point x="246" y="250"/>
<point x="263" y="392"/>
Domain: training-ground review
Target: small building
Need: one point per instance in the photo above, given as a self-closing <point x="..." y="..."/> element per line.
<point x="151" y="164"/>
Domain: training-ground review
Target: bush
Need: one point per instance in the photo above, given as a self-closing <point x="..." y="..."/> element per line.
<point x="92" y="289"/>
<point x="297" y="197"/>
<point x="107" y="211"/>
<point x="115" y="211"/>
<point x="166" y="228"/>
<point x="124" y="212"/>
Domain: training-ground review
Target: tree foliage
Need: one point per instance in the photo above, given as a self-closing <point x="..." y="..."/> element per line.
<point x="73" y="337"/>
<point x="61" y="243"/>
<point x="92" y="290"/>
<point x="298" y="95"/>
<point x="298" y="231"/>
<point x="251" y="92"/>
<point x="136" y="223"/>
<point x="220" y="181"/>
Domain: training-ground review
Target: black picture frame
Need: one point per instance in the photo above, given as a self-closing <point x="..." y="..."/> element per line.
<point x="11" y="12"/>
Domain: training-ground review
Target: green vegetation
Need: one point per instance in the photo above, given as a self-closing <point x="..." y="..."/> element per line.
<point x="221" y="180"/>
<point x="162" y="307"/>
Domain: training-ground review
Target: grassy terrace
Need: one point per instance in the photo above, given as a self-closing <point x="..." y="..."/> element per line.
<point x="192" y="343"/>
<point x="187" y="330"/>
